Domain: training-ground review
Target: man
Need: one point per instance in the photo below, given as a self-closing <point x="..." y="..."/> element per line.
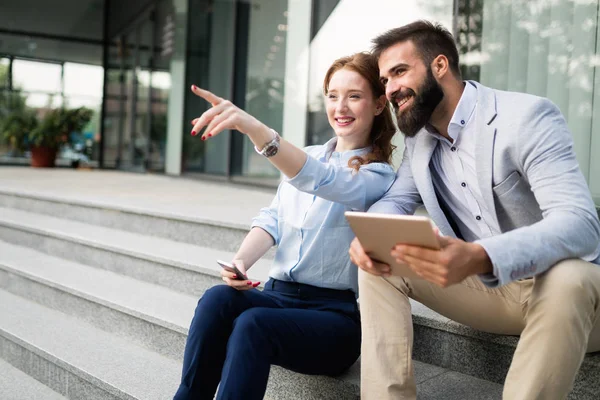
<point x="497" y="174"/>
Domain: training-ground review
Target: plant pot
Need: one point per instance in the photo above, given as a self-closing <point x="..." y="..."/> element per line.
<point x="43" y="157"/>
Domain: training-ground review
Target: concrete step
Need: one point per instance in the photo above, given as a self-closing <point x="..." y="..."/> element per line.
<point x="17" y="385"/>
<point x="79" y="361"/>
<point x="151" y="259"/>
<point x="178" y="266"/>
<point x="149" y="315"/>
<point x="216" y="231"/>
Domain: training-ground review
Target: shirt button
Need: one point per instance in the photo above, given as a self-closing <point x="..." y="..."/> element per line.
<point x="462" y="121"/>
<point x="453" y="148"/>
<point x="478" y="218"/>
<point x="463" y="184"/>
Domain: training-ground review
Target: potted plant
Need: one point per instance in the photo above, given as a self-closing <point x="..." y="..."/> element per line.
<point x="53" y="131"/>
<point x="16" y="128"/>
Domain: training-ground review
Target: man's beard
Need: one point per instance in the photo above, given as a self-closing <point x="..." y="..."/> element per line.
<point x="411" y="121"/>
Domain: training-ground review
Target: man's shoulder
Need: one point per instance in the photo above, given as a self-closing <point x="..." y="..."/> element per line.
<point x="510" y="104"/>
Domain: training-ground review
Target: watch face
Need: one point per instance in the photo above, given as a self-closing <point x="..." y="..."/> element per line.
<point x="271" y="150"/>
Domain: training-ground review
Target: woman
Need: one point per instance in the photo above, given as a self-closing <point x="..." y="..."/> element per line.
<point x="306" y="319"/>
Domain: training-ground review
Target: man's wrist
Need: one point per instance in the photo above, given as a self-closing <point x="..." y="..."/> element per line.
<point x="482" y="264"/>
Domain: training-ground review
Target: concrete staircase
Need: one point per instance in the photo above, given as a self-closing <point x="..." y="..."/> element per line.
<point x="96" y="299"/>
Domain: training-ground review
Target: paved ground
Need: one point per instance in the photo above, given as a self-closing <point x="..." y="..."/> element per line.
<point x="235" y="204"/>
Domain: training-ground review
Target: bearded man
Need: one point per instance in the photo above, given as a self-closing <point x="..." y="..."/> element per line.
<point x="520" y="235"/>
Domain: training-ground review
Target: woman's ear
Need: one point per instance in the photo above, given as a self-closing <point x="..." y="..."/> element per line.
<point x="380" y="104"/>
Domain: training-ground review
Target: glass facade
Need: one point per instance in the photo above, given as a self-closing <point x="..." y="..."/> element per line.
<point x="133" y="63"/>
<point x="549" y="49"/>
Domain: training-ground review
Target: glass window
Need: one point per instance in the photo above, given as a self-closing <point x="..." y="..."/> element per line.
<point x="265" y="77"/>
<point x="544" y="48"/>
<point x="83" y="80"/>
<point x="4" y="71"/>
<point x="33" y="76"/>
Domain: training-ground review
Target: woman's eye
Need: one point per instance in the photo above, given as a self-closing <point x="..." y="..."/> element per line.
<point x="355" y="96"/>
<point x="331" y="96"/>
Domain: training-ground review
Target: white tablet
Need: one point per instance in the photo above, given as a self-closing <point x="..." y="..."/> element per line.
<point x="379" y="233"/>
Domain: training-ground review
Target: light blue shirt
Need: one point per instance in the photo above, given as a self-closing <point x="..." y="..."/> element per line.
<point x="306" y="218"/>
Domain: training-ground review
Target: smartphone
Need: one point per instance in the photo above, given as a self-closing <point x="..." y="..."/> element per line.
<point x="232" y="268"/>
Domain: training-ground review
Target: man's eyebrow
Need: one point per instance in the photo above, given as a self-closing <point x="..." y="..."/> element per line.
<point x="399" y="65"/>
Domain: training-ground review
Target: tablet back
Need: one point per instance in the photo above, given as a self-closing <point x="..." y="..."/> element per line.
<point x="379" y="233"/>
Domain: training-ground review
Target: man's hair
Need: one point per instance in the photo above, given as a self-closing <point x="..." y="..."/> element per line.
<point x="430" y="40"/>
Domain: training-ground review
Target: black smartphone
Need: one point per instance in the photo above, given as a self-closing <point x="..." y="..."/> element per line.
<point x="232" y="268"/>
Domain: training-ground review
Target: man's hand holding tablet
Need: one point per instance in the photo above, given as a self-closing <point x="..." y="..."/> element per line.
<point x="409" y="246"/>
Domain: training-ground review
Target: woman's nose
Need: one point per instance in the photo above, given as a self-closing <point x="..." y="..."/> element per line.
<point x="342" y="105"/>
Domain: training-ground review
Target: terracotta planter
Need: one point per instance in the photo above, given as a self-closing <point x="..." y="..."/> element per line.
<point x="43" y="157"/>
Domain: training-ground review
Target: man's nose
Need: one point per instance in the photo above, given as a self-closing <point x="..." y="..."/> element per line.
<point x="391" y="90"/>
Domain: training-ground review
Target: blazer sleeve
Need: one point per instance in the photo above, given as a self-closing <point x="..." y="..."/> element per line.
<point x="403" y="196"/>
<point x="570" y="226"/>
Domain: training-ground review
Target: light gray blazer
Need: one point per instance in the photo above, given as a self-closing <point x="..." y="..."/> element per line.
<point x="530" y="180"/>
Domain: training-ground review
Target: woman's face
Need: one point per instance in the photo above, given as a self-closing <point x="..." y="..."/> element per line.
<point x="350" y="105"/>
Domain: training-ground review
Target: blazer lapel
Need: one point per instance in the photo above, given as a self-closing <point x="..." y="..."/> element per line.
<point x="424" y="148"/>
<point x="484" y="145"/>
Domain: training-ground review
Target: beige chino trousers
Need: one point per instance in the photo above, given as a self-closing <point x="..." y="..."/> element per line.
<point x="556" y="313"/>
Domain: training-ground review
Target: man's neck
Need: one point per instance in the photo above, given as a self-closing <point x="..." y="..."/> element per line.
<point x="442" y="115"/>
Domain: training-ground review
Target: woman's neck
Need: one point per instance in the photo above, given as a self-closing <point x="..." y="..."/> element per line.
<point x="345" y="144"/>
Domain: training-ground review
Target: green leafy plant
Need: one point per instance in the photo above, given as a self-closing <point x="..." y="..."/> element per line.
<point x="16" y="128"/>
<point x="57" y="125"/>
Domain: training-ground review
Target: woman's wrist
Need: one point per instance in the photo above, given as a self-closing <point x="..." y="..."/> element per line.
<point x="261" y="135"/>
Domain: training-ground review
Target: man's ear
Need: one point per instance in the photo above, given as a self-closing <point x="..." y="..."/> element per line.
<point x="380" y="104"/>
<point x="440" y="66"/>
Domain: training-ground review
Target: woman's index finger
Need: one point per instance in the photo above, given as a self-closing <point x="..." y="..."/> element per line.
<point x="206" y="95"/>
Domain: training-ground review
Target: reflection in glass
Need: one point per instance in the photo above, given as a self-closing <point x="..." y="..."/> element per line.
<point x="265" y="79"/>
<point x="538" y="47"/>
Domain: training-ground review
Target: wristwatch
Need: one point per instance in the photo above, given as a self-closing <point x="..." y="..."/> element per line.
<point x="271" y="148"/>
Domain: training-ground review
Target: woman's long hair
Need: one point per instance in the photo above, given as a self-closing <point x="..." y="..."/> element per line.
<point x="383" y="128"/>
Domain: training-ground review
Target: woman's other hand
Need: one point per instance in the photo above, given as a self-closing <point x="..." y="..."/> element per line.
<point x="230" y="278"/>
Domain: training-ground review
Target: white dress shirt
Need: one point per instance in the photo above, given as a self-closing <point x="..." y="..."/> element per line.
<point x="454" y="175"/>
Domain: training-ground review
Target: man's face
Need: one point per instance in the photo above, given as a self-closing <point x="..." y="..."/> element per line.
<point x="410" y="86"/>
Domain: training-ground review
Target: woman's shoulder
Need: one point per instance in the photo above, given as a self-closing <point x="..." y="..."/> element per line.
<point x="381" y="167"/>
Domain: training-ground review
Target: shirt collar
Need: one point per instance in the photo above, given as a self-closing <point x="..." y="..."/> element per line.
<point x="464" y="111"/>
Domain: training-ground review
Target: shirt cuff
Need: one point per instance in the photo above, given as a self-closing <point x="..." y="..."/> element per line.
<point x="256" y="223"/>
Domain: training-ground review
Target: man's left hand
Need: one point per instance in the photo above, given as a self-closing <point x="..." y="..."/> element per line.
<point x="455" y="261"/>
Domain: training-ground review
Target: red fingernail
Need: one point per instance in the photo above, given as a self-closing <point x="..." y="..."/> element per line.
<point x="235" y="277"/>
<point x="256" y="284"/>
<point x="203" y="138"/>
<point x="193" y="133"/>
<point x="210" y="135"/>
<point x="194" y="87"/>
<point x="249" y="283"/>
